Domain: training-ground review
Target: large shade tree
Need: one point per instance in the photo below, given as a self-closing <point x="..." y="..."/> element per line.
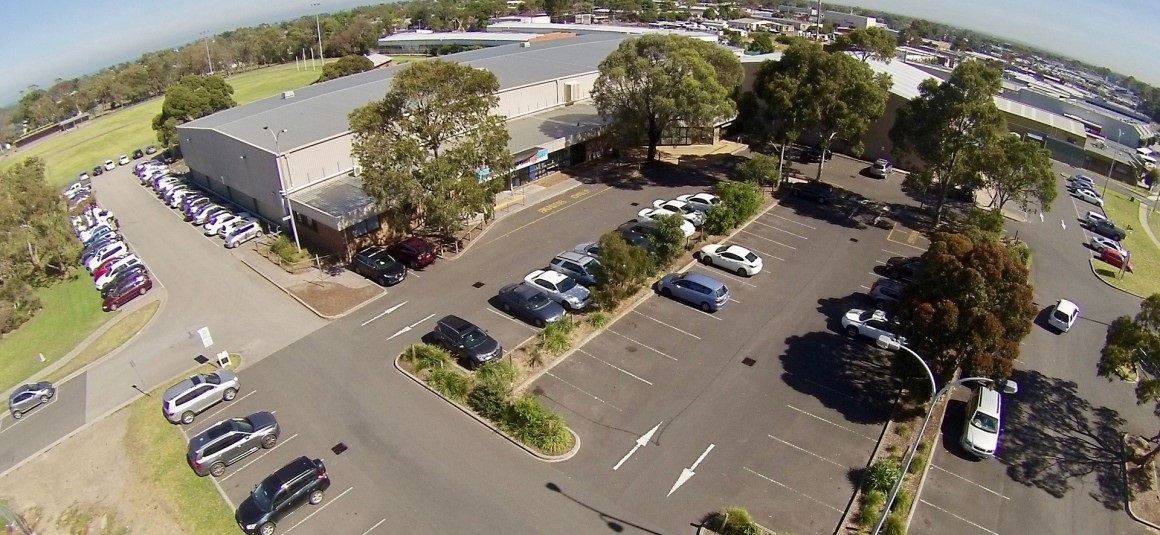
<point x="1019" y="171"/>
<point x="655" y="82"/>
<point x="427" y="150"/>
<point x="947" y="124"/>
<point x="1132" y="349"/>
<point x="874" y="42"/>
<point x="193" y="96"/>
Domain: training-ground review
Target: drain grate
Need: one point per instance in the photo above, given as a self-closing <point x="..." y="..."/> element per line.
<point x="634" y="204"/>
<point x="477" y="285"/>
<point x="855" y="240"/>
<point x="339" y="448"/>
<point x="748" y="361"/>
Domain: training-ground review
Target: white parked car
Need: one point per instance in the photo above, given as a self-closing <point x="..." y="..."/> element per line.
<point x="701" y="201"/>
<point x="74" y="189"/>
<point x="981" y="430"/>
<point x="205" y="213"/>
<point x="1099" y="244"/>
<point x="1089" y="196"/>
<point x="647" y="217"/>
<point x="107" y="252"/>
<point x="559" y="287"/>
<point x="1092" y="218"/>
<point x="243" y="233"/>
<point x="1082" y="181"/>
<point x="124" y="160"/>
<point x="1063" y="315"/>
<point x="228" y="227"/>
<point x="872" y="324"/>
<point x="110" y="165"/>
<point x="733" y="258"/>
<point x="215" y="223"/>
<point x="115" y="270"/>
<point x="692" y="215"/>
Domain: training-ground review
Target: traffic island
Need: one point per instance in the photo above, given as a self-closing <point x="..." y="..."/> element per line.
<point x="1143" y="494"/>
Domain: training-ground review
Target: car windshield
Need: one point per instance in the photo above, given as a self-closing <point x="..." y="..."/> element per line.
<point x="263" y="496"/>
<point x="473" y="337"/>
<point x="382" y="260"/>
<point x="1059" y="315"/>
<point x="566" y="284"/>
<point x="213" y="379"/>
<point x="538" y="300"/>
<point x="985" y="422"/>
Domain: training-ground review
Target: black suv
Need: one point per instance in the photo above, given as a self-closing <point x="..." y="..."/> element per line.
<point x="903" y="268"/>
<point x="1108" y="229"/>
<point x="820" y="192"/>
<point x="138" y="154"/>
<point x="814" y="155"/>
<point x="467" y="341"/>
<point x="303" y="480"/>
<point x="375" y="264"/>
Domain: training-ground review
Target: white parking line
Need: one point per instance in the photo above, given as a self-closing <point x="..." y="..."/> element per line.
<point x="678" y="329"/>
<point x="263" y="454"/>
<point x="795" y="491"/>
<point x="864" y="287"/>
<point x="781" y="230"/>
<point x="585" y="392"/>
<point x="615" y="367"/>
<point x="319" y="510"/>
<point x="372" y="528"/>
<point x="227" y="405"/>
<point x="791" y="221"/>
<point x="948" y="472"/>
<point x="654" y="350"/>
<point x="880" y="262"/>
<point x="808" y="452"/>
<point x="888" y="251"/>
<point x="767" y="239"/>
<point x="765" y="254"/>
<point x="958" y="517"/>
<point x="839" y="426"/>
<point x="734" y="300"/>
<point x="509" y="318"/>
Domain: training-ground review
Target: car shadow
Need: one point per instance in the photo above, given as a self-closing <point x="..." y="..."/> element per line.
<point x="1042" y="317"/>
<point x="850" y="378"/>
<point x="954" y="419"/>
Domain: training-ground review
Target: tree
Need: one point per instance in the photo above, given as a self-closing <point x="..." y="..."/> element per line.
<point x="733" y="38"/>
<point x="1132" y="347"/>
<point x="710" y="14"/>
<point x="668" y="239"/>
<point x="654" y="82"/>
<point x="875" y="42"/>
<point x="739" y="202"/>
<point x="623" y="268"/>
<point x="947" y="123"/>
<point x="969" y="307"/>
<point x="761" y="42"/>
<point x="1020" y="171"/>
<point x="193" y="96"/>
<point x="760" y="169"/>
<point x="427" y="148"/>
<point x="38" y="238"/>
<point x="345" y="66"/>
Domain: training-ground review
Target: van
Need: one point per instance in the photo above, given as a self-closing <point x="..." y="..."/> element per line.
<point x="981" y="430"/>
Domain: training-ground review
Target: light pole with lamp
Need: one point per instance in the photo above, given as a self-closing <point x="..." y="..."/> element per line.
<point x="1111" y="168"/>
<point x="285" y="201"/>
<point x="205" y="37"/>
<point x="318" y="28"/>
<point x="890" y="343"/>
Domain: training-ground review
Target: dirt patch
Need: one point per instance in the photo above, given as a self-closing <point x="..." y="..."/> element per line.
<point x="332" y="299"/>
<point x="85" y="485"/>
<point x="1142" y="485"/>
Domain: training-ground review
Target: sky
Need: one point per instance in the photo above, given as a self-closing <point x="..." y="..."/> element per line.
<point x="49" y="39"/>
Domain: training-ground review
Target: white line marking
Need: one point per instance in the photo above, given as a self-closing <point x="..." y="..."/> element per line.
<point x="765" y="254"/>
<point x="880" y="262"/>
<point x="411" y="326"/>
<point x="734" y="300"/>
<point x="732" y="277"/>
<point x="319" y="510"/>
<point x="781" y="230"/>
<point x="615" y="367"/>
<point x="948" y="472"/>
<point x="509" y="318"/>
<point x="227" y="405"/>
<point x="372" y="528"/>
<point x="383" y="313"/>
<point x="767" y="239"/>
<point x="795" y="491"/>
<point x="678" y="329"/>
<point x="585" y="392"/>
<point x="808" y="452"/>
<point x="958" y="517"/>
<point x="791" y="221"/>
<point x="864" y="287"/>
<point x="654" y="350"/>
<point x="839" y="426"/>
<point x="888" y="251"/>
<point x="255" y="459"/>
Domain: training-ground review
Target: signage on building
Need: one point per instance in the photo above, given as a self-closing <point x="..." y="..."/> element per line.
<point x="532" y="157"/>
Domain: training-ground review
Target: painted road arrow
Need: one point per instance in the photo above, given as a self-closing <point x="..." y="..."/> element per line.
<point x="384" y="313"/>
<point x="411" y="326"/>
<point x="688" y="473"/>
<point x="640" y="443"/>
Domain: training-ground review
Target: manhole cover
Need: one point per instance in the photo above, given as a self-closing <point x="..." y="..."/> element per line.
<point x="634" y="204"/>
<point x="477" y="285"/>
<point x="338" y="448"/>
<point x="855" y="240"/>
<point x="748" y="361"/>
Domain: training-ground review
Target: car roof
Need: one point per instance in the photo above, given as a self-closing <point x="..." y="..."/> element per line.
<point x="737" y="250"/>
<point x="1067" y="307"/>
<point x="291" y="470"/>
<point x="548" y="275"/>
<point x="702" y="279"/>
<point x="989" y="401"/>
<point x="457" y="323"/>
<point x="573" y="256"/>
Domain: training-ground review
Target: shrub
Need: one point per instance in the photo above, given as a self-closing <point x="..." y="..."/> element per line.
<point x="285" y="248"/>
<point x="598" y="320"/>
<point x="668" y="240"/>
<point x="902" y="502"/>
<point x="739" y="202"/>
<point x="871" y="507"/>
<point x="488" y="400"/>
<point x="450" y="383"/>
<point x="426" y="357"/>
<point x="622" y="270"/>
<point x="18" y="304"/>
<point x="498" y="373"/>
<point x="760" y="169"/>
<point x="882" y="475"/>
<point x="554" y="338"/>
<point x="735" y="520"/>
<point x="895" y="524"/>
<point x="536" y="425"/>
<point x="917" y="463"/>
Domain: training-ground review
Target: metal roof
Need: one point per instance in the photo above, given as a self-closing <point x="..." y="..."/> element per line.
<point x="319" y="112"/>
<point x="534" y="130"/>
<point x="337" y="197"/>
<point x="453" y="37"/>
<point x="1041" y="116"/>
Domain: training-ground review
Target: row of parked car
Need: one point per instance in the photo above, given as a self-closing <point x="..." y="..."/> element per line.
<point x="303" y="480"/>
<point x="198" y="206"/>
<point x="1106" y="234"/>
<point x="110" y="165"/>
<point x="117" y="273"/>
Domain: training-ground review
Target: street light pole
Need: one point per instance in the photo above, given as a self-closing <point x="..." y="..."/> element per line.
<point x="205" y="38"/>
<point x="318" y="28"/>
<point x="1111" y="168"/>
<point x="285" y="200"/>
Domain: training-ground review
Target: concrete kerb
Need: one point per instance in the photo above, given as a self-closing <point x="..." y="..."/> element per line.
<point x="873" y="456"/>
<point x="470" y="413"/>
<point x="1092" y="265"/>
<point x="926" y="469"/>
<point x="304" y="303"/>
<point x="1128" y="500"/>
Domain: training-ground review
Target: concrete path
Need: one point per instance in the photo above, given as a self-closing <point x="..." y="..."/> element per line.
<point x="1145" y="214"/>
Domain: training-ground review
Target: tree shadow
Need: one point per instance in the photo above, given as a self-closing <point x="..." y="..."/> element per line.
<point x="1051" y="436"/>
<point x="573" y="126"/>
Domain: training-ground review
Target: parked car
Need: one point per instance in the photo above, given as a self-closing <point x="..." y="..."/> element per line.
<point x="885" y="293"/>
<point x="981" y="430"/>
<point x="73" y="189"/>
<point x="1117" y="258"/>
<point x="106" y="252"/>
<point x="820" y="192"/>
<point x="881" y="168"/>
<point x="110" y="273"/>
<point x="303" y="480"/>
<point x="1088" y="195"/>
<point x="578" y="266"/>
<point x="207" y="211"/>
<point x="230" y="441"/>
<point x="110" y="165"/>
<point x="415" y="252"/>
<point x="1108" y="229"/>
<point x="230" y="226"/>
<point x="815" y="154"/>
<point x="1092" y="218"/>
<point x="686" y="210"/>
<point x="376" y="264"/>
<point x="1081" y="180"/>
<point x="127" y="290"/>
<point x="243" y="233"/>
<point x="559" y="287"/>
<point x="647" y="218"/>
<point x="733" y="258"/>
<point x="870" y="323"/>
<point x="150" y="149"/>
<point x="94" y="233"/>
<point x="190" y="206"/>
<point x="703" y="291"/>
<point x="215" y="223"/>
<point x="138" y="154"/>
<point x="466" y="341"/>
<point x="97" y="170"/>
<point x="124" y="160"/>
<point x="529" y="304"/>
<point x="1099" y="244"/>
<point x="29" y="396"/>
<point x="588" y="248"/>
<point x="701" y="201"/>
<point x="636" y="235"/>
<point x="183" y="401"/>
<point x="122" y="276"/>
<point x="903" y="268"/>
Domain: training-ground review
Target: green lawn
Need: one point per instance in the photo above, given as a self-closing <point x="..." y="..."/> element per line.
<point x="121" y="131"/>
<point x="1145" y="254"/>
<point x="72" y="310"/>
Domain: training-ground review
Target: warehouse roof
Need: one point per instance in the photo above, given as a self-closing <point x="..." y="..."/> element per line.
<point x="319" y="112"/>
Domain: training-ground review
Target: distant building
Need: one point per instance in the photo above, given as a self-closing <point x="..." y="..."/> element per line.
<point x="849" y="20"/>
<point x="749" y="24"/>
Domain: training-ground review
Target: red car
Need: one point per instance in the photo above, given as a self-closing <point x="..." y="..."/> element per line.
<point x="126" y="291"/>
<point x="1113" y="257"/>
<point x="415" y="252"/>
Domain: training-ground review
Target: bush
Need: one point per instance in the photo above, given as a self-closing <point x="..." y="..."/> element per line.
<point x="902" y="502"/>
<point x="554" y="338"/>
<point x="895" y="524"/>
<point x="285" y="248"/>
<point x="760" y="169"/>
<point x="426" y="357"/>
<point x="622" y="270"/>
<point x="735" y="520"/>
<point x="450" y="383"/>
<point x="668" y="240"/>
<point x="871" y="507"/>
<point x="917" y="463"/>
<point x="536" y="425"/>
<point x="498" y="373"/>
<point x="488" y="400"/>
<point x="598" y="320"/>
<point x="18" y="304"/>
<point x="739" y="202"/>
<point x="882" y="475"/>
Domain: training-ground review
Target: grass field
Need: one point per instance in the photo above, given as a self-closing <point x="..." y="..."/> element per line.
<point x="109" y="340"/>
<point x="1145" y="280"/>
<point x="72" y="309"/>
<point x="121" y="131"/>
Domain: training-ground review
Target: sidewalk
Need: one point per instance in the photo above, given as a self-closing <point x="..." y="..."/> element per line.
<point x="1146" y="214"/>
<point x="983" y="199"/>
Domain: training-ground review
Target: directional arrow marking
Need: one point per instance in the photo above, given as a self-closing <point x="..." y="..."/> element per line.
<point x="384" y="313"/>
<point x="640" y="443"/>
<point x="688" y="473"/>
<point x="1062" y="224"/>
<point x="411" y="326"/>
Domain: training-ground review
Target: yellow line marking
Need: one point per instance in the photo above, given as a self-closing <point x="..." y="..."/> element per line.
<point x="562" y="207"/>
<point x="509" y="202"/>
